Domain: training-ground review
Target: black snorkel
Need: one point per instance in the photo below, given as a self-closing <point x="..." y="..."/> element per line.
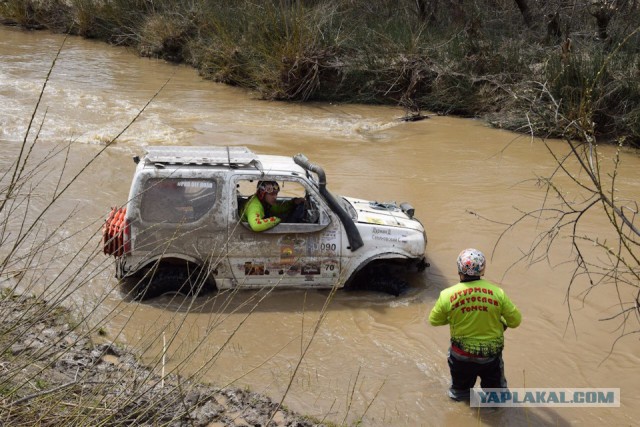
<point x="355" y="240"/>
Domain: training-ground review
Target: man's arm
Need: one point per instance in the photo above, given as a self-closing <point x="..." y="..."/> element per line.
<point x="255" y="214"/>
<point x="439" y="313"/>
<point x="510" y="313"/>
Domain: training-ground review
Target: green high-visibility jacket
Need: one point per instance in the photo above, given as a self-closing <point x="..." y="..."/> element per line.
<point x="254" y="214"/>
<point x="476" y="313"/>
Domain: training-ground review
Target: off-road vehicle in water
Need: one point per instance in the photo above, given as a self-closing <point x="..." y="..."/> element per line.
<point x="182" y="228"/>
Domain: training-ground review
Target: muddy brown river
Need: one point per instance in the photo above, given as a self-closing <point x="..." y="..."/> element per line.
<point x="374" y="357"/>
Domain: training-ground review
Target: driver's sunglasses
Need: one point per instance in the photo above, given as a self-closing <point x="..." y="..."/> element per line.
<point x="270" y="188"/>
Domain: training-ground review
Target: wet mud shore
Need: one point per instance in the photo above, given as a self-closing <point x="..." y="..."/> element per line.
<point x="52" y="375"/>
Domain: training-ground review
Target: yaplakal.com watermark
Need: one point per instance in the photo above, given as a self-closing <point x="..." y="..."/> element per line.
<point x="538" y="397"/>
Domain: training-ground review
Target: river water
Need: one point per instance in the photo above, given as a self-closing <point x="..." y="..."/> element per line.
<point x="374" y="357"/>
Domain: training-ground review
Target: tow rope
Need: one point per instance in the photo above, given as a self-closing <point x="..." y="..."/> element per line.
<point x="113" y="232"/>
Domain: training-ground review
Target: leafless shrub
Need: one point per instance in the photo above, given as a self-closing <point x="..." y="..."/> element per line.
<point x="585" y="184"/>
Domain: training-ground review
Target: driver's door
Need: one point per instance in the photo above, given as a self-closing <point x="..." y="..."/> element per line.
<point x="290" y="254"/>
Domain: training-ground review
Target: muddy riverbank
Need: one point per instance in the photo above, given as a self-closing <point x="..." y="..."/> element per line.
<point x="54" y="374"/>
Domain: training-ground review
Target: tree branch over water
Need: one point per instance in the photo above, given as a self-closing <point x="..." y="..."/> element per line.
<point x="584" y="184"/>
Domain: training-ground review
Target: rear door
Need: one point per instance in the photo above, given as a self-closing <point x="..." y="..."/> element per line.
<point x="180" y="216"/>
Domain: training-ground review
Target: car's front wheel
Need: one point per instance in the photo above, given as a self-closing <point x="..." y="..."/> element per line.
<point x="380" y="277"/>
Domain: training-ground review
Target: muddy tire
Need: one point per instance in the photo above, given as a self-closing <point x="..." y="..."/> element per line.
<point x="169" y="279"/>
<point x="385" y="278"/>
<point x="389" y="285"/>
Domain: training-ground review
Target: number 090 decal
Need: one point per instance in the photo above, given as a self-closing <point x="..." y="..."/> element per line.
<point x="328" y="246"/>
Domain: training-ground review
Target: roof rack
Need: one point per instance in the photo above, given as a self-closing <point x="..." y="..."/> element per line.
<point x="210" y="155"/>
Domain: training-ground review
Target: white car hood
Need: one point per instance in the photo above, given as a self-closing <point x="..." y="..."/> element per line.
<point x="382" y="214"/>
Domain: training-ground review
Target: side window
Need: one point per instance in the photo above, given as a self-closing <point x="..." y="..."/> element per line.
<point x="288" y="189"/>
<point x="308" y="212"/>
<point x="244" y="190"/>
<point x="176" y="200"/>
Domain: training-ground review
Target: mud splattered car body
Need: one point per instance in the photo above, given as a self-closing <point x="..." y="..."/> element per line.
<point x="185" y="209"/>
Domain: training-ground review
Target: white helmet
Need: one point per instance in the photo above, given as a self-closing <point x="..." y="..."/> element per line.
<point x="471" y="262"/>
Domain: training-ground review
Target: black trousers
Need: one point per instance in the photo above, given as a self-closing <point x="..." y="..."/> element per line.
<point x="465" y="372"/>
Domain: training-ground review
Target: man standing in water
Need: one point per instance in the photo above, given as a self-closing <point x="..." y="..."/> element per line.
<point x="478" y="313"/>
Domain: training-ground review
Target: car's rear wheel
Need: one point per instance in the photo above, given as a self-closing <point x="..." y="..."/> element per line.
<point x="185" y="279"/>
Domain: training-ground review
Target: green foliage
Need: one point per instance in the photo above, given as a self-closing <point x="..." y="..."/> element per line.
<point x="19" y="11"/>
<point x="84" y="18"/>
<point x="570" y="77"/>
<point x="41" y="383"/>
<point x="599" y="89"/>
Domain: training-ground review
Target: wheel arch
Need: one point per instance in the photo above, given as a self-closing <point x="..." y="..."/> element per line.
<point x="374" y="260"/>
<point x="165" y="259"/>
<point x="168" y="273"/>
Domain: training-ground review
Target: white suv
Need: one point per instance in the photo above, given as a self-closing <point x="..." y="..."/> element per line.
<point x="182" y="227"/>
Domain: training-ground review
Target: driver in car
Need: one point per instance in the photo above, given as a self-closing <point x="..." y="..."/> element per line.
<point x="263" y="211"/>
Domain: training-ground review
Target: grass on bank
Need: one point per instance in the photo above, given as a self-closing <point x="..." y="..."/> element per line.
<point x="480" y="60"/>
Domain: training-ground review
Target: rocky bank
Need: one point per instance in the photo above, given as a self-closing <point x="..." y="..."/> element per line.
<point x="53" y="374"/>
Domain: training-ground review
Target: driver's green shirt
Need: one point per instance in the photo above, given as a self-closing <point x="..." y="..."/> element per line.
<point x="475" y="312"/>
<point x="254" y="214"/>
